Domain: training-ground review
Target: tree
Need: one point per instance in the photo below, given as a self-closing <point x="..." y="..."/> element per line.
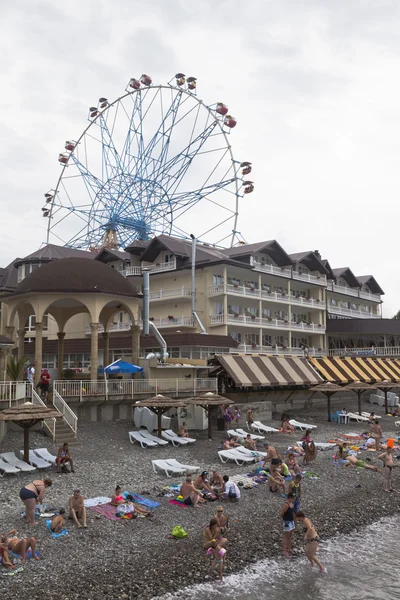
<point x="397" y="315"/>
<point x="16" y="368"/>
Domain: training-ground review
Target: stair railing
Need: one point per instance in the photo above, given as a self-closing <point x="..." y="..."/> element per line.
<point x="50" y="424"/>
<point x="69" y="416"/>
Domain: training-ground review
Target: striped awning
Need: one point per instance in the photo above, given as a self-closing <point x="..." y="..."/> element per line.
<point x="268" y="371"/>
<point x="349" y="369"/>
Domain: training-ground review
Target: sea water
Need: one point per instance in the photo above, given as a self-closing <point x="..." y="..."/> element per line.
<point x="363" y="565"/>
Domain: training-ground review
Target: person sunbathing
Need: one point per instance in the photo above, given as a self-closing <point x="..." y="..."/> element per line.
<point x="213" y="531"/>
<point x="117" y="498"/>
<point x="342" y="451"/>
<point x="276" y="481"/>
<point x="233" y="442"/>
<point x="191" y="495"/>
<point x="201" y="483"/>
<point x="249" y="443"/>
<point x="286" y="427"/>
<point x="222" y="519"/>
<point x="5" y="559"/>
<point x="217" y="483"/>
<point x="19" y="546"/>
<point x="58" y="522"/>
<point x="183" y="431"/>
<point x="352" y="461"/>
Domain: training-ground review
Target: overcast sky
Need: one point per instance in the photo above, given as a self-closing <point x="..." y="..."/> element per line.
<point x="313" y="84"/>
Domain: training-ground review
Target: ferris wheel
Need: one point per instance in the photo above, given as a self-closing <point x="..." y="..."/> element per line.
<point x="156" y="160"/>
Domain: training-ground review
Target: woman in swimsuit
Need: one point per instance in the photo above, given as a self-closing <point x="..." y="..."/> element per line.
<point x="213" y="532"/>
<point x="376" y="432"/>
<point x="292" y="464"/>
<point x="388" y="464"/>
<point x="18" y="546"/>
<point x="117" y="498"/>
<point x="287" y="514"/>
<point x="31" y="495"/>
<point x="311" y="540"/>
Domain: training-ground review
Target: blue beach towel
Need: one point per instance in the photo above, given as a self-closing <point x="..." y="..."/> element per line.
<point x="141" y="500"/>
<point x="55" y="535"/>
<point x="28" y="554"/>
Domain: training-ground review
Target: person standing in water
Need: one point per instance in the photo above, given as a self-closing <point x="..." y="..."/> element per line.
<point x="287" y="514"/>
<point x="311" y="540"/>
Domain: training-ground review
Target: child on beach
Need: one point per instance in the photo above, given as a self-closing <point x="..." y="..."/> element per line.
<point x="295" y="489"/>
<point x="58" y="522"/>
<point x="237" y="416"/>
<point x="292" y="464"/>
<point x="217" y="555"/>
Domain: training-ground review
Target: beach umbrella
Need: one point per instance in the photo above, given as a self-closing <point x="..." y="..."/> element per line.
<point x="208" y="401"/>
<point x="358" y="387"/>
<point x="386" y="386"/>
<point x="26" y="416"/>
<point x="159" y="405"/>
<point x="328" y="389"/>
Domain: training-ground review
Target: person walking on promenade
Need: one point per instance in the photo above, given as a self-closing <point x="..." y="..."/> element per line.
<point x="311" y="540"/>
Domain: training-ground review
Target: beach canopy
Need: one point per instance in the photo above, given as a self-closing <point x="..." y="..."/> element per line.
<point x="328" y="389"/>
<point x="358" y="387"/>
<point x="207" y="401"/>
<point x="27" y="415"/>
<point x="159" y="405"/>
<point x="121" y="367"/>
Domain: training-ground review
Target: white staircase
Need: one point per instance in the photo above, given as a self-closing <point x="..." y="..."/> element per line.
<point x="65" y="429"/>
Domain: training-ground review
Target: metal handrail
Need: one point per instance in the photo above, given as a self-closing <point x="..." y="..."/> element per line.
<point x="36" y="399"/>
<point x="69" y="416"/>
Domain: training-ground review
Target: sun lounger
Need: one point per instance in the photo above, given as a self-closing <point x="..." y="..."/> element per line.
<point x="163" y="465"/>
<point x="261" y="428"/>
<point x="10" y="458"/>
<point x="174" y="463"/>
<point x="45" y="454"/>
<point x="6" y="468"/>
<point x="320" y="445"/>
<point x="358" y="418"/>
<point x="35" y="460"/>
<point x="174" y="439"/>
<point x="367" y="414"/>
<point x="238" y="457"/>
<point x="173" y="434"/>
<point x="243" y="434"/>
<point x="301" y="426"/>
<point x="136" y="436"/>
<point x="248" y="452"/>
<point x="153" y="438"/>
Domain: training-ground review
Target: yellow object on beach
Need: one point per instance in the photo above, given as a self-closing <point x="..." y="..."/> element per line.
<point x="355" y="448"/>
<point x="179" y="497"/>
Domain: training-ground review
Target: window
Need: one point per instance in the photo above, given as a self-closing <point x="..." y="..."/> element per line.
<point x="299" y="318"/>
<point x="267" y="340"/>
<point x="266" y="287"/>
<point x="252" y="310"/>
<point x="267" y="313"/>
<point x="345" y="304"/>
<point x="234" y="281"/>
<point x="302" y="268"/>
<point x="218" y="280"/>
<point x="279" y="340"/>
<point x="333" y="301"/>
<point x="280" y="315"/>
<point x="251" y="284"/>
<point x="168" y="258"/>
<point x="20" y="273"/>
<point x="354" y="306"/>
<point x="237" y="336"/>
<point x="218" y="308"/>
<point x="263" y="259"/>
<point x="252" y="338"/>
<point x="30" y="326"/>
<point x="234" y="309"/>
<point x="49" y="361"/>
<point x="77" y="360"/>
<point x="299" y="342"/>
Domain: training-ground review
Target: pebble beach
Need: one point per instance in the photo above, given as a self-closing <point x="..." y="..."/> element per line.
<point x="137" y="559"/>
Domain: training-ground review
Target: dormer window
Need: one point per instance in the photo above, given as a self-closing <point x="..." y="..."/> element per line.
<point x="25" y="269"/>
<point x="263" y="259"/>
<point x="302" y="269"/>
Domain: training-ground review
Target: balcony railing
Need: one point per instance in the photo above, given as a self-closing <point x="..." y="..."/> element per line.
<point x="10" y="391"/>
<point x="316" y="279"/>
<point x="253" y="321"/>
<point x="355" y="292"/>
<point x="155" y="268"/>
<point x="131" y="271"/>
<point x="249" y="292"/>
<point x="276" y="351"/>
<point x="161" y="294"/>
<point x="81" y="390"/>
<point x="257" y="266"/>
<point x="367" y="351"/>
<point x="350" y="312"/>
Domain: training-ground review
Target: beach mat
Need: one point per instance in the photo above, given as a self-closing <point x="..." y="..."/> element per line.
<point x="28" y="554"/>
<point x="177" y="503"/>
<point x="62" y="533"/>
<point x="142" y="500"/>
<point x="106" y="510"/>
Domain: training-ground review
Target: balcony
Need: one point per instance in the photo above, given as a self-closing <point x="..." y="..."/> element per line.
<point x="367" y="351"/>
<point x="161" y="322"/>
<point x="315" y="279"/>
<point x="276" y="350"/>
<point x="271" y="269"/>
<point x="349" y="312"/>
<point x="355" y="292"/>
<point x="240" y="290"/>
<point x="173" y="294"/>
<point x="156" y="268"/>
<point x="253" y="321"/>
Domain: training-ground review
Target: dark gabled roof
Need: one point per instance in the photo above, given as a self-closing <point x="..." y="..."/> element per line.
<point x="371" y="282"/>
<point x="348" y="275"/>
<point x="311" y="259"/>
<point x="108" y="255"/>
<point x="271" y="247"/>
<point x="327" y="266"/>
<point x="137" y="247"/>
<point x="76" y="275"/>
<point x="183" y="250"/>
<point x="9" y="277"/>
<point x="53" y="252"/>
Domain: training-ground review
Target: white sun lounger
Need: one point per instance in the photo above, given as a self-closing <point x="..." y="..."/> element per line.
<point x="320" y="445"/>
<point x="173" y="434"/>
<point x="175" y="439"/>
<point x="248" y="452"/>
<point x="6" y="468"/>
<point x="261" y="428"/>
<point x="163" y="465"/>
<point x="45" y="454"/>
<point x="153" y="438"/>
<point x="366" y="414"/>
<point x="35" y="460"/>
<point x="302" y="426"/>
<point x="10" y="458"/>
<point x="238" y="457"/>
<point x="358" y="418"/>
<point x="136" y="436"/>
<point x="188" y="468"/>
<point x="243" y="434"/>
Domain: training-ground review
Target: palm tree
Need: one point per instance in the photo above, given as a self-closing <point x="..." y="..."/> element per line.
<point x="16" y="368"/>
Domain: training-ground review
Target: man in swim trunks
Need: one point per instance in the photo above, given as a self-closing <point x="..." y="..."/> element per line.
<point x="249" y="443"/>
<point x="63" y="457"/>
<point x="271" y="453"/>
<point x="191" y="496"/>
<point x="77" y="509"/>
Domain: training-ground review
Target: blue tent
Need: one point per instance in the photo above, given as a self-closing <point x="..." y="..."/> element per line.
<point x="120" y="367"/>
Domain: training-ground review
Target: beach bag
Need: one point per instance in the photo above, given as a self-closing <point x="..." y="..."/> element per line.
<point x="178" y="532"/>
